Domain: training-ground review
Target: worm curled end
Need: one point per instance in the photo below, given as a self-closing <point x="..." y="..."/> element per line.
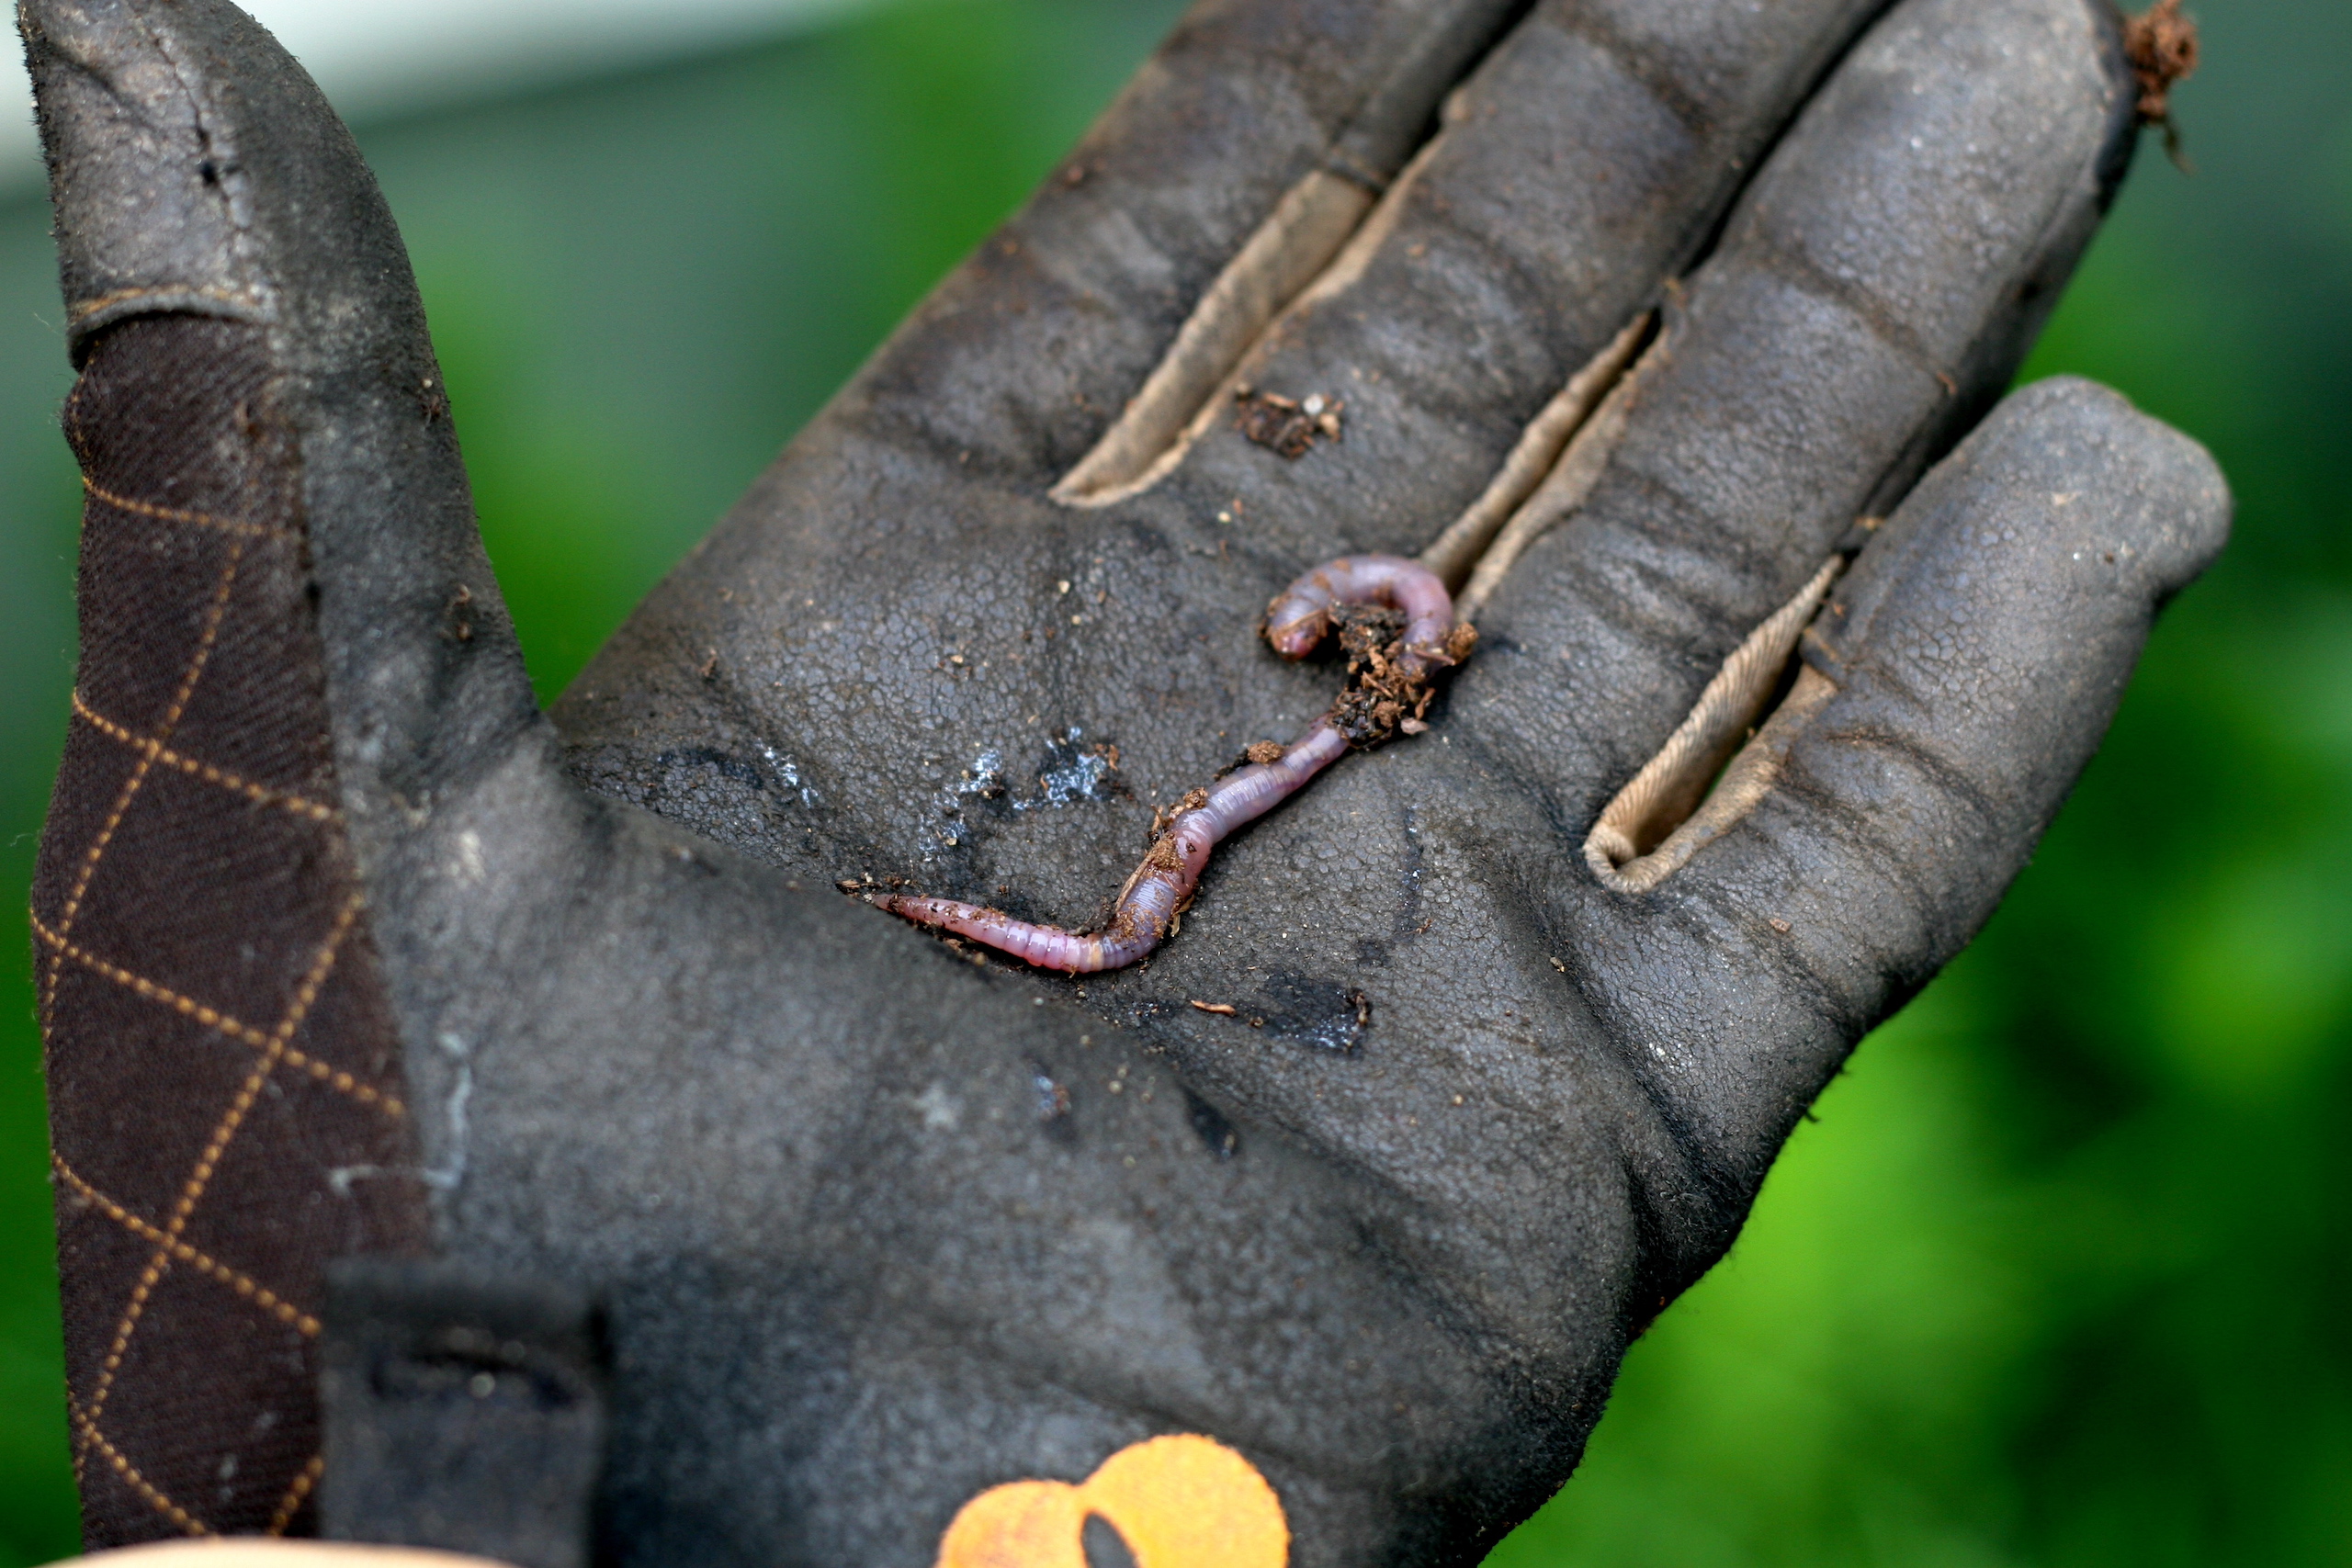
<point x="1301" y="614"/>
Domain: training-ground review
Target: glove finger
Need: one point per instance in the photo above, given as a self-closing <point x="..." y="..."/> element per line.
<point x="199" y="176"/>
<point x="1873" y="294"/>
<point x="1589" y="156"/>
<point x="292" y="648"/>
<point x="1262" y="127"/>
<point x="1962" y="677"/>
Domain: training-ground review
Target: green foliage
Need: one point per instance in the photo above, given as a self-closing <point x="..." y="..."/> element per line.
<point x="2056" y="1279"/>
<point x="40" y="503"/>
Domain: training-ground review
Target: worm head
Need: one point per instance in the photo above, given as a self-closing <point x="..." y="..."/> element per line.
<point x="1300" y="615"/>
<point x="1294" y="627"/>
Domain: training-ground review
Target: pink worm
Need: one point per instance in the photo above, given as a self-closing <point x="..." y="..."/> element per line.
<point x="1162" y="886"/>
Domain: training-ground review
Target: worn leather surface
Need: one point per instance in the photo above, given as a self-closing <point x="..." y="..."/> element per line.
<point x="875" y="1227"/>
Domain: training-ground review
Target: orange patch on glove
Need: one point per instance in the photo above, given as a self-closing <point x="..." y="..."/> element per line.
<point x="1181" y="1501"/>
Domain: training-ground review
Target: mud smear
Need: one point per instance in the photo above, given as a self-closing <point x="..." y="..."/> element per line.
<point x="775" y="775"/>
<point x="1071" y="773"/>
<point x="1219" y="1135"/>
<point x="749" y="802"/>
<point x="1076" y="772"/>
<point x="1324" y="1014"/>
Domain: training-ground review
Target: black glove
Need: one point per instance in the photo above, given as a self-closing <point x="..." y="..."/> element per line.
<point x="344" y="948"/>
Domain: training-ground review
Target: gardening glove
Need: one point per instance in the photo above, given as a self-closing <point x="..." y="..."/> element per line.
<point x="1672" y="335"/>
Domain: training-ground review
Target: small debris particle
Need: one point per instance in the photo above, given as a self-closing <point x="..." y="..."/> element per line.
<point x="1457" y="1099"/>
<point x="1779" y="925"/>
<point x="1225" y="1009"/>
<point x="710" y="665"/>
<point x="1116" y="1086"/>
<point x="2161" y="43"/>
<point x="1257" y="1023"/>
<point x="1264" y="751"/>
<point x="1560" y="966"/>
<point x="458" y="618"/>
<point x="1380" y="693"/>
<point x="1286" y="426"/>
<point x="1053" y="1099"/>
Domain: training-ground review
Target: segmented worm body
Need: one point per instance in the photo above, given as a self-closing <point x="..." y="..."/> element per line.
<point x="1301" y="614"/>
<point x="1162" y="886"/>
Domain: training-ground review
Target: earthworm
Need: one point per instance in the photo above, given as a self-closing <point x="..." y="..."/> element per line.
<point x="1393" y="696"/>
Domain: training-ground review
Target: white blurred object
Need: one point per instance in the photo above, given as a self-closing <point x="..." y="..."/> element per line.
<point x="385" y="56"/>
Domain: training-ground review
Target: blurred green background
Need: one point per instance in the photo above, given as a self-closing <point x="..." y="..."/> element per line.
<point x="2060" y="1274"/>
